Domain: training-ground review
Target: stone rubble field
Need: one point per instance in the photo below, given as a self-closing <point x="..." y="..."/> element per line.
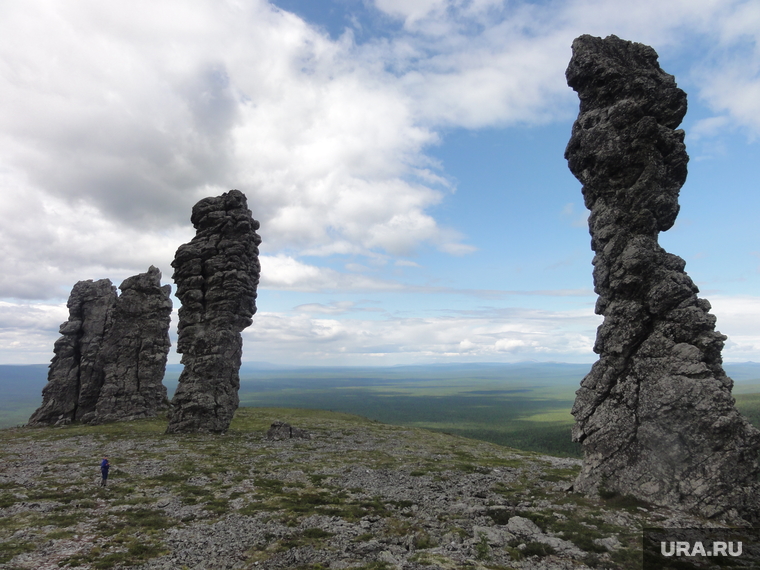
<point x="358" y="494"/>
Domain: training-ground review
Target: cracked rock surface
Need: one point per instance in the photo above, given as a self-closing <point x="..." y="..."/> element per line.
<point x="217" y="274"/>
<point x="135" y="351"/>
<point x="110" y="361"/>
<point x="75" y="375"/>
<point x="655" y="415"/>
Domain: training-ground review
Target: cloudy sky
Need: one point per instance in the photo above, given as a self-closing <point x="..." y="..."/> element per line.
<point x="404" y="157"/>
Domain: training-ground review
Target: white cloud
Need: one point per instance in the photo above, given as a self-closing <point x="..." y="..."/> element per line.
<point x="406" y="263"/>
<point x="737" y="319"/>
<point x="334" y="308"/>
<point x="116" y="118"/>
<point x="48" y="244"/>
<point x="126" y="115"/>
<point x="28" y="330"/>
<point x="485" y="335"/>
<point x="286" y="273"/>
<point x="499" y="335"/>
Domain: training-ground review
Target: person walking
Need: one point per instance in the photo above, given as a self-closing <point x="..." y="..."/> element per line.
<point x="104" y="467"/>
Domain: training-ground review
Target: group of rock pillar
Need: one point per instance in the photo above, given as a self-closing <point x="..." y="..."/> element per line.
<point x="655" y="416"/>
<point x="110" y="360"/>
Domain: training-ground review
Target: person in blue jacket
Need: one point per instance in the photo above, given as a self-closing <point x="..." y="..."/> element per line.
<point x="104" y="467"/>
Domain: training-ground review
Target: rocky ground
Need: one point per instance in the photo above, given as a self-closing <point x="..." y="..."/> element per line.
<point x="358" y="494"/>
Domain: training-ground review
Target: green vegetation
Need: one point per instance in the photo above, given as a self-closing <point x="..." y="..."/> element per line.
<point x="11" y="548"/>
<point x="520" y="406"/>
<point x="161" y="482"/>
<point x="749" y="406"/>
<point x="524" y="414"/>
<point x="206" y="477"/>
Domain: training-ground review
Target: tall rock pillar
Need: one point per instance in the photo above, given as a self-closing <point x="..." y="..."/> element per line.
<point x="135" y="351"/>
<point x="75" y="375"/>
<point x="217" y="274"/>
<point x="655" y="415"/>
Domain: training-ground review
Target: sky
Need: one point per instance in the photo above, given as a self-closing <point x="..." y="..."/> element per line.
<point x="404" y="158"/>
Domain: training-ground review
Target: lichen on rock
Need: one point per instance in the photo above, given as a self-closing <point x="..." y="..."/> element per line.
<point x="217" y="274"/>
<point x="655" y="415"/>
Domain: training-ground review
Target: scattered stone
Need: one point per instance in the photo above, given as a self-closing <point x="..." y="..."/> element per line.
<point x="610" y="543"/>
<point x="655" y="414"/>
<point x="357" y="500"/>
<point x="528" y="530"/>
<point x="496" y="536"/>
<point x="280" y="430"/>
<point x="523" y="527"/>
<point x="111" y="357"/>
<point x="217" y="274"/>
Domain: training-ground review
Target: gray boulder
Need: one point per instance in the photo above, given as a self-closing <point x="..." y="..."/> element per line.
<point x="217" y="274"/>
<point x="280" y="430"/>
<point x="655" y="415"/>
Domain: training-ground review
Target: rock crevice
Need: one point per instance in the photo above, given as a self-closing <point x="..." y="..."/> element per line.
<point x="655" y="415"/>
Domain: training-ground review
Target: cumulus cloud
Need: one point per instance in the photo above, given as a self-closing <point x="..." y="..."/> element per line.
<point x="737" y="319"/>
<point x="126" y="115"/>
<point x="492" y="334"/>
<point x="286" y="273"/>
<point x="116" y="118"/>
<point x="48" y="244"/>
<point x="28" y="330"/>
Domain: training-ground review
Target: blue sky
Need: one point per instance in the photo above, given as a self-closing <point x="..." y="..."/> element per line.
<point x="405" y="159"/>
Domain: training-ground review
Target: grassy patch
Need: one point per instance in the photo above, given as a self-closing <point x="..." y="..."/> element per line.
<point x="12" y="548"/>
<point x="310" y="536"/>
<point x="537" y="549"/>
<point x="129" y="552"/>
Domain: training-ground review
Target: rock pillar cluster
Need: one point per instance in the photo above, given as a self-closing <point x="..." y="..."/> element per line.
<point x="111" y="357"/>
<point x="217" y="274"/>
<point x="655" y="415"/>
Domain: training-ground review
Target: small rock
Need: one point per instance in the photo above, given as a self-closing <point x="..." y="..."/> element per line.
<point x="280" y="430"/>
<point x="610" y="543"/>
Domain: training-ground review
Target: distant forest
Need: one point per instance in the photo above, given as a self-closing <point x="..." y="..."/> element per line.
<point x="524" y="405"/>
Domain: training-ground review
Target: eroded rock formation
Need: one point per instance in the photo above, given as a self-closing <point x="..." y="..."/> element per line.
<point x="655" y="415"/>
<point x="217" y="274"/>
<point x="135" y="351"/>
<point x="111" y="357"/>
<point x="75" y="375"/>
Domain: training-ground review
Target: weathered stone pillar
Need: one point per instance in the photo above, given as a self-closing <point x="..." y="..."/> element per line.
<point x="110" y="362"/>
<point x="217" y="274"/>
<point x="655" y="415"/>
<point x="75" y="375"/>
<point x="135" y="351"/>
